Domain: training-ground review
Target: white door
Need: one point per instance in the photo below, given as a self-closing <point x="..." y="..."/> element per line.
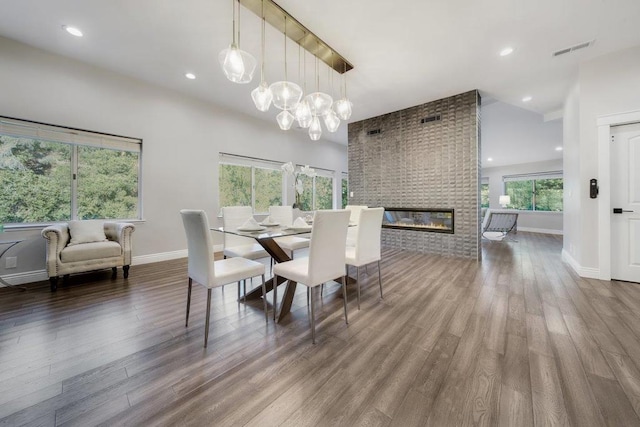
<point x="625" y="203"/>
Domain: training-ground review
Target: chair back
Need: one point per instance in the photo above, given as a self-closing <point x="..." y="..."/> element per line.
<point x="368" y="235"/>
<point x="328" y="244"/>
<point x="355" y="212"/>
<point x="232" y="218"/>
<point x="281" y="214"/>
<point x="200" y="259"/>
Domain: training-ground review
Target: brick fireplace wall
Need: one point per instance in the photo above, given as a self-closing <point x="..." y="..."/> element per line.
<point x="410" y="164"/>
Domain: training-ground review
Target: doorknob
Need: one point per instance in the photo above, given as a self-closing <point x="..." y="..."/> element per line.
<point x="619" y="210"/>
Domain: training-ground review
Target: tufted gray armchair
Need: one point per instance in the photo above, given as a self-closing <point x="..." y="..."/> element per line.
<point x="63" y="259"/>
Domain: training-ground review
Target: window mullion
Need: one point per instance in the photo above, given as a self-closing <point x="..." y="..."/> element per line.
<point x="74" y="182"/>
<point x="253" y="188"/>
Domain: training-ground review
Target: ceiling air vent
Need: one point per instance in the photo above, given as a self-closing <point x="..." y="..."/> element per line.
<point x="435" y="118"/>
<point x="374" y="132"/>
<point x="573" y="48"/>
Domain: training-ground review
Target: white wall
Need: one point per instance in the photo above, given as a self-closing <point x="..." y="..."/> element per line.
<point x="181" y="139"/>
<point x="549" y="222"/>
<point x="607" y="85"/>
<point x="571" y="178"/>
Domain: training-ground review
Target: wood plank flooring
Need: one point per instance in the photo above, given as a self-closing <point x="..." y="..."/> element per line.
<point x="516" y="340"/>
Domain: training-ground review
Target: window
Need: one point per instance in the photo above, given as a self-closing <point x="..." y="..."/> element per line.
<point x="51" y="173"/>
<point x="484" y="195"/>
<point x="249" y="182"/>
<point x="538" y="192"/>
<point x="345" y="190"/>
<point x="318" y="191"/>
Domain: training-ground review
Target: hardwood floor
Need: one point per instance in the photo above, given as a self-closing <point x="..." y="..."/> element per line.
<point x="516" y="340"/>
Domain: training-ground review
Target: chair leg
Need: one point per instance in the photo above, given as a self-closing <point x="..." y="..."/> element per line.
<point x="344" y="299"/>
<point x="380" y="279"/>
<point x="206" y="323"/>
<point x="125" y="269"/>
<point x="244" y="290"/>
<point x="114" y="272"/>
<point x="275" y="297"/>
<point x="53" y="283"/>
<point x="238" y="291"/>
<point x="313" y="320"/>
<point x="358" y="281"/>
<point x="186" y="323"/>
<point x="264" y="300"/>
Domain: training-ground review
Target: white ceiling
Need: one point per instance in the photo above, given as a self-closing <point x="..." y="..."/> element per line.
<point x="404" y="53"/>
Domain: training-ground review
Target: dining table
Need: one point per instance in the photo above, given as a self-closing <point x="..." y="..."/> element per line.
<point x="266" y="237"/>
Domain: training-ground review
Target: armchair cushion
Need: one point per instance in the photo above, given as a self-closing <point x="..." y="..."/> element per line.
<point x="86" y="232"/>
<point x="89" y="251"/>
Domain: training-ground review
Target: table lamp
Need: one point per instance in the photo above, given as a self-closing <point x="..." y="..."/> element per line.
<point x="504" y="201"/>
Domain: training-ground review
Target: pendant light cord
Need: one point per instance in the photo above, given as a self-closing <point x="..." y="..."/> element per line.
<point x="262" y="65"/>
<point x="238" y="23"/>
<point x="233" y="19"/>
<point x="285" y="49"/>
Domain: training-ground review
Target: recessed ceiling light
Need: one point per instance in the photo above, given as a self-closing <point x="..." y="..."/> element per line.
<point x="72" y="30"/>
<point x="527" y="99"/>
<point x="190" y="76"/>
<point x="558" y="148"/>
<point x="490" y="159"/>
<point x="506" y="51"/>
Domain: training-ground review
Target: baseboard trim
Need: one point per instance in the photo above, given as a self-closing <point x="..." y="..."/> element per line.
<point x="40" y="275"/>
<point x="588" y="272"/>
<point x="540" y="230"/>
<point x="17" y="279"/>
<point x="166" y="256"/>
<point x="159" y="257"/>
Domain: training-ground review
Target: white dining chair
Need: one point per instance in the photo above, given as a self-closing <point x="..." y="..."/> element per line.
<point x="239" y="246"/>
<point x="367" y="245"/>
<point x="284" y="216"/>
<point x="326" y="258"/>
<point x="354" y="217"/>
<point x="209" y="273"/>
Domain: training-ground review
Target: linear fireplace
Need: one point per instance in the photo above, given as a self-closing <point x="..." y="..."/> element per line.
<point x="434" y="220"/>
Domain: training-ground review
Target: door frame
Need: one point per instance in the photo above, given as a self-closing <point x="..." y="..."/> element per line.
<point x="605" y="123"/>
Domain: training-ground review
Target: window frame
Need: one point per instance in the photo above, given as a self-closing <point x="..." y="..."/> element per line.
<point x="533" y="177"/>
<point x="325" y="173"/>
<point x="74" y="138"/>
<point x="253" y="163"/>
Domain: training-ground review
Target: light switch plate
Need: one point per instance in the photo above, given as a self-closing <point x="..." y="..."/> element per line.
<point x="12" y="262"/>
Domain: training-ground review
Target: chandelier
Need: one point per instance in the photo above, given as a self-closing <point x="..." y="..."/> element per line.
<point x="308" y="111"/>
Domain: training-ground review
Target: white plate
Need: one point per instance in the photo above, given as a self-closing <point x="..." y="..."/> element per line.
<point x="252" y="228"/>
<point x="271" y="224"/>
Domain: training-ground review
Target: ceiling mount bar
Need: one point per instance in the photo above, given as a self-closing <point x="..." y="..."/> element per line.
<point x="276" y="16"/>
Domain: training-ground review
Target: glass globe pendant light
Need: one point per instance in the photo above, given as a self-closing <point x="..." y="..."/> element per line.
<point x="237" y="64"/>
<point x="331" y="121"/>
<point x="262" y="95"/>
<point x="285" y="119"/>
<point x="315" y="130"/>
<point x="286" y="94"/>
<point x="343" y="107"/>
<point x="319" y="103"/>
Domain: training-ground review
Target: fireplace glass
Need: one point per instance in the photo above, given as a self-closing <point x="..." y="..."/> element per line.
<point x="433" y="220"/>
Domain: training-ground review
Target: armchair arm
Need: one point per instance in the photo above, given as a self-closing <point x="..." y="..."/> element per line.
<point x="121" y="232"/>
<point x="57" y="237"/>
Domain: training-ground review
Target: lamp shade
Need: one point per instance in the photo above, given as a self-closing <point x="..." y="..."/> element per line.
<point x="319" y="103"/>
<point x="262" y="97"/>
<point x="237" y="64"/>
<point x="285" y="120"/>
<point x="504" y="200"/>
<point x="303" y="114"/>
<point x="315" y="130"/>
<point x="331" y="121"/>
<point x="286" y="95"/>
<point x="343" y="108"/>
